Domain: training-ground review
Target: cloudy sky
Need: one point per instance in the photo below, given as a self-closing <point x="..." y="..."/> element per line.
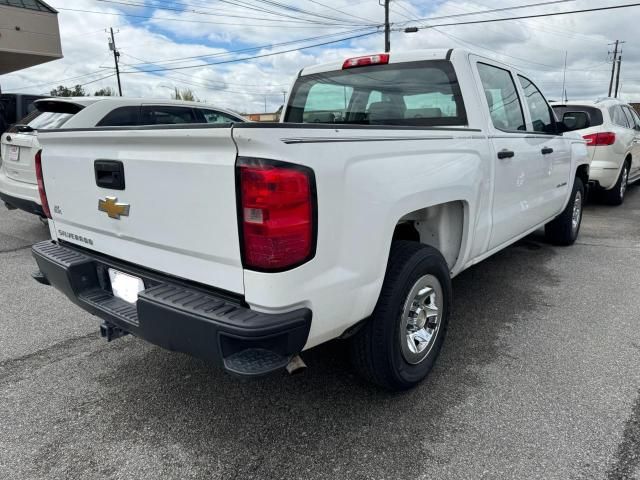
<point x="217" y="36"/>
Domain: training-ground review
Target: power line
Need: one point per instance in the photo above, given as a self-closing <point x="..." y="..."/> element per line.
<point x="226" y="15"/>
<point x="539" y="15"/>
<point x="494" y="10"/>
<point x="173" y="19"/>
<point x="258" y="56"/>
<point x="209" y="83"/>
<point x="248" y="49"/>
<point x="60" y="81"/>
<point x="342" y="11"/>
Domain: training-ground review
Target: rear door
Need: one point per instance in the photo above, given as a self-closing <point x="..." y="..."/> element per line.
<point x="519" y="173"/>
<point x="172" y="209"/>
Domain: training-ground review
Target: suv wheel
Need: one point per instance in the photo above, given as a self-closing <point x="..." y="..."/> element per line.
<point x="615" y="196"/>
<point x="399" y="344"/>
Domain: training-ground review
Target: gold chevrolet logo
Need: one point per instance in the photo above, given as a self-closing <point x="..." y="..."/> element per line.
<point x="112" y="208"/>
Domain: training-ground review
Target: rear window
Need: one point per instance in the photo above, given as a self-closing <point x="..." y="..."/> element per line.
<point x="594" y="113"/>
<point x="53" y="114"/>
<point x="25" y="121"/>
<point x="411" y="94"/>
<point x="48" y="120"/>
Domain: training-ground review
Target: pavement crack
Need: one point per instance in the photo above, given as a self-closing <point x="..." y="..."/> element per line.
<point x="627" y="457"/>
<point x="16" y="249"/>
<point x="623" y="247"/>
<point x="13" y="368"/>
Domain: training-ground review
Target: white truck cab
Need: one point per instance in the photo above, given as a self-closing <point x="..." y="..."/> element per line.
<point x="247" y="244"/>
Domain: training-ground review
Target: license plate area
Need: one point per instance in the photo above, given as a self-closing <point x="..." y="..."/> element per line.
<point x="125" y="286"/>
<point x="13" y="154"/>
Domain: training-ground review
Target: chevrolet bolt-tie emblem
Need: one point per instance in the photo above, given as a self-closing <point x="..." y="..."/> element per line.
<point x="112" y="208"/>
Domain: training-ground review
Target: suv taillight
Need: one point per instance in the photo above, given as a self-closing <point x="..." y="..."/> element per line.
<point x="277" y="211"/>
<point x="41" y="190"/>
<point x="600" y="139"/>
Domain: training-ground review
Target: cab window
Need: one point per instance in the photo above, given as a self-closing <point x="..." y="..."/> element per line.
<point x="121" y="117"/>
<point x="502" y="97"/>
<point x="541" y="116"/>
<point x="167" y="115"/>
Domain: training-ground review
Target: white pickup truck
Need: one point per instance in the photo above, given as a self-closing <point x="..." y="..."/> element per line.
<point x="246" y="244"/>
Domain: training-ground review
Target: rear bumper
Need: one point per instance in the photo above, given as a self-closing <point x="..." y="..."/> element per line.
<point x="208" y="324"/>
<point x="21" y="195"/>
<point x="26" y="205"/>
<point x="604" y="173"/>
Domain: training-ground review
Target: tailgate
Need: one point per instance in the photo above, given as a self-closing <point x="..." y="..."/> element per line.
<point x="179" y="185"/>
<point x="18" y="153"/>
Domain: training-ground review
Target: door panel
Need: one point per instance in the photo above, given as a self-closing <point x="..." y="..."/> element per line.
<point x="520" y="170"/>
<point x="555" y="152"/>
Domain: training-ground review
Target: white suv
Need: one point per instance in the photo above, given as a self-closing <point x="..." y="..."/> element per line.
<point x="612" y="131"/>
<point x="19" y="146"/>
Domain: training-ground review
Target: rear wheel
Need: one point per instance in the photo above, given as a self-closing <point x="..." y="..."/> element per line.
<point x="564" y="229"/>
<point x="615" y="196"/>
<point x="399" y="344"/>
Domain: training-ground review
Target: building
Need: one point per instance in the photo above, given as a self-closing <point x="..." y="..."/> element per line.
<point x="29" y="34"/>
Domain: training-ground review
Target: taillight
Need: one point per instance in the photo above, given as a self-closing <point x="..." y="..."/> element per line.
<point x="41" y="190"/>
<point x="600" y="139"/>
<point x="277" y="211"/>
<point x="380" y="59"/>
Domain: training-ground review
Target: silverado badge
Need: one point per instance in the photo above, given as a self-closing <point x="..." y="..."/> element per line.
<point x="112" y="208"/>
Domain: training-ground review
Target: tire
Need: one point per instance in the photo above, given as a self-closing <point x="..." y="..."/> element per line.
<point x="615" y="196"/>
<point x="564" y="229"/>
<point x="381" y="351"/>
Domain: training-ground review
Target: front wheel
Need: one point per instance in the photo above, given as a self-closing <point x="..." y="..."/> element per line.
<point x="399" y="344"/>
<point x="564" y="229"/>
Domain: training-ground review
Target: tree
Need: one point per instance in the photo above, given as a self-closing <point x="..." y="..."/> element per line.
<point x="186" y="94"/>
<point x="63" y="91"/>
<point x="105" y="92"/>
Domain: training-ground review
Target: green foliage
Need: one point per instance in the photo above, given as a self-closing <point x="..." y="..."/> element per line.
<point x="63" y="91"/>
<point x="105" y="92"/>
<point x="186" y="94"/>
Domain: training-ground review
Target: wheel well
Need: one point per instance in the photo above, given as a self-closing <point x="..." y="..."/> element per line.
<point x="628" y="159"/>
<point x="440" y="226"/>
<point x="583" y="173"/>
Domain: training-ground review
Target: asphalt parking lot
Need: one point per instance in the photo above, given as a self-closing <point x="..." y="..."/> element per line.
<point x="539" y="378"/>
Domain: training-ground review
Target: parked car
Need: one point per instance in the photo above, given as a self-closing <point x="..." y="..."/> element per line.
<point x="18" y="186"/>
<point x="14" y="106"/>
<point x="612" y="130"/>
<point x="250" y="244"/>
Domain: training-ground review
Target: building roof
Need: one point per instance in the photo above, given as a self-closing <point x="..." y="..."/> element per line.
<point x="37" y="5"/>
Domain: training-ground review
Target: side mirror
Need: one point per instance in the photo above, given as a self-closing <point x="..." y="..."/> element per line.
<point x="575" y="121"/>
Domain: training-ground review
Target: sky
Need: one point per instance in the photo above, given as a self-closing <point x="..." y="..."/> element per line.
<point x="159" y="34"/>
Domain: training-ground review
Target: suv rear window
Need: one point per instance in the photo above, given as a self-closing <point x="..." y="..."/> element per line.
<point x="411" y="94"/>
<point x="53" y="114"/>
<point x="594" y="113"/>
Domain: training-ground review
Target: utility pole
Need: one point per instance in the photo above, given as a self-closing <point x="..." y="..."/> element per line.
<point x="116" y="56"/>
<point x="618" y="73"/>
<point x="564" y="76"/>
<point x="387" y="27"/>
<point x="613" y="67"/>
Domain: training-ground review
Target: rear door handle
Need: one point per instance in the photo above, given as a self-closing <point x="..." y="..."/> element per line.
<point x="504" y="153"/>
<point x="547" y="150"/>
